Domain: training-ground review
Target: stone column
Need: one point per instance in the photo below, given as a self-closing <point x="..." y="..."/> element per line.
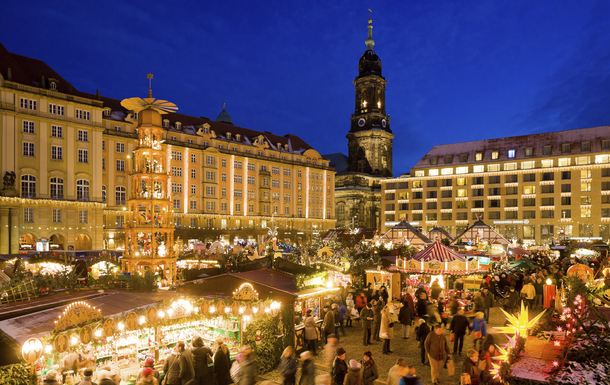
<point x="14" y="211"/>
<point x="4" y="233"/>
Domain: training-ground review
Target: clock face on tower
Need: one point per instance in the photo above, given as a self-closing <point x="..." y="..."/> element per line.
<point x="361" y="122"/>
<point x="383" y="123"/>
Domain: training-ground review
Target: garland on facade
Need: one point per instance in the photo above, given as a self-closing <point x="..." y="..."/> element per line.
<point x="301" y="279"/>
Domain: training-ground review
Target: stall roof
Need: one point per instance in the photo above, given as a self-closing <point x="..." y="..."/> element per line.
<point x="442" y="233"/>
<point x="42" y="323"/>
<point x="270" y="278"/>
<point x="410" y="233"/>
<point x="488" y="234"/>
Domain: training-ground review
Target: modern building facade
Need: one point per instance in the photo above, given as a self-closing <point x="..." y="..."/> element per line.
<point x="72" y="154"/>
<point x="533" y="187"/>
<point x="358" y="187"/>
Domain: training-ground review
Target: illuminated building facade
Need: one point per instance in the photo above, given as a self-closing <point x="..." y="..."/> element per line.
<point x="533" y="187"/>
<point x="72" y="154"/>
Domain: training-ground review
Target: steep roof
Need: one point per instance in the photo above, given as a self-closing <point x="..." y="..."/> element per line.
<point x="518" y="144"/>
<point x="29" y="71"/>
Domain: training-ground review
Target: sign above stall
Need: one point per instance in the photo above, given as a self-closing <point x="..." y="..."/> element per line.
<point x="151" y="315"/>
<point x="246" y="292"/>
<point x="77" y="313"/>
<point x="60" y="343"/>
<point x="131" y="321"/>
<point x="85" y="334"/>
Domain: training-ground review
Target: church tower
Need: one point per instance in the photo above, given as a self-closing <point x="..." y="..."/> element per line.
<point x="370" y="136"/>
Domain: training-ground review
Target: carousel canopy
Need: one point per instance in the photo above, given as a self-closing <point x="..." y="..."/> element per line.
<point x="481" y="231"/>
<point x="438" y="252"/>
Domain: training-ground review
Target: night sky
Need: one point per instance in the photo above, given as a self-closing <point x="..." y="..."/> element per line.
<point x="456" y="70"/>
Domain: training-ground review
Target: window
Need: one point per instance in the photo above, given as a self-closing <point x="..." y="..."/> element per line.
<point x="120" y="148"/>
<point x="57" y="132"/>
<point x="223" y="192"/>
<point x="57" y="188"/>
<point x="585" y="199"/>
<point x="529" y="151"/>
<point x="80" y="114"/>
<point x="546" y="150"/>
<point x="176" y="188"/>
<point x="210" y="175"/>
<point x="566" y="213"/>
<point x="511" y="203"/>
<point x="529" y="202"/>
<point x="494" y="215"/>
<point x="28" y="149"/>
<point x="478" y="192"/>
<point x="510" y="166"/>
<point x="513" y="190"/>
<point x="237" y="178"/>
<point x="585" y="174"/>
<point x="276" y="183"/>
<point x="193" y="158"/>
<point x="56" y="215"/>
<point x="251" y="194"/>
<point x="478" y="204"/>
<point x="193" y="173"/>
<point x="120" y="195"/>
<point x="446" y="194"/>
<point x="275" y="170"/>
<point x="251" y="210"/>
<point x="104" y="194"/>
<point x="585" y="213"/>
<point x="83" y="156"/>
<point x="550" y="201"/>
<point x="461" y="170"/>
<point x="478" y="156"/>
<point x="174" y="139"/>
<point x="566" y="187"/>
<point x="56" y="110"/>
<point x="529" y="177"/>
<point x="434" y="160"/>
<point x="585" y="146"/>
<point x="210" y="190"/>
<point x="237" y="193"/>
<point x="433" y="171"/>
<point x="177" y="204"/>
<point x="479" y="168"/>
<point x="463" y="158"/>
<point x="223" y="162"/>
<point x="581" y="160"/>
<point x="547" y="189"/>
<point x="177" y="155"/>
<point x="462" y="216"/>
<point x="120" y="165"/>
<point x="431" y="206"/>
<point x="28" y="104"/>
<point x="82" y="190"/>
<point x="511" y="153"/>
<point x="431" y="183"/>
<point x="511" y="214"/>
<point x="448" y="159"/>
<point x="210" y="206"/>
<point x="418" y="206"/>
<point x="566" y="175"/>
<point x="565" y="148"/>
<point x="177" y="171"/>
<point x="193" y="189"/>
<point x="494" y="179"/>
<point x="417" y="195"/>
<point x="193" y="205"/>
<point x="57" y="153"/>
<point x="83" y="136"/>
<point x="28" y="214"/>
<point x="210" y="160"/>
<point x="462" y="193"/>
<point x="585" y="186"/>
<point x="494" y="191"/>
<point x="529" y="214"/>
<point x="28" y="127"/>
<point x="529" y="190"/>
<point x="566" y="201"/>
<point x="528" y="165"/>
<point x="83" y="216"/>
<point x="493" y="167"/>
<point x="462" y="181"/>
<point x="103" y="145"/>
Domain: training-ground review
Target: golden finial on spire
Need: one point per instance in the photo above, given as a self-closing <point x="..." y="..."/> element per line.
<point x="370" y="18"/>
<point x="223" y="105"/>
<point x="149" y="76"/>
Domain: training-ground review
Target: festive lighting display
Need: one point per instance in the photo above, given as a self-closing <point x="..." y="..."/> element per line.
<point x="520" y="324"/>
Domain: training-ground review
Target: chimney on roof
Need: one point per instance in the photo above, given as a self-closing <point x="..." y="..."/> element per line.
<point x="43" y="84"/>
<point x="69" y="88"/>
<point x="9" y="74"/>
<point x="97" y="95"/>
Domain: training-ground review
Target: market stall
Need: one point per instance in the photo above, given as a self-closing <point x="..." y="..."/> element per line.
<point x="388" y="279"/>
<point x="405" y="234"/>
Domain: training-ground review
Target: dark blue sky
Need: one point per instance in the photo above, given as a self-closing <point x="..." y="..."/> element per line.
<point x="456" y="70"/>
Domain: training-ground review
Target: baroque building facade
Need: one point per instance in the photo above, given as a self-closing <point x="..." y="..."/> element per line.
<point x="68" y="160"/>
<point x="358" y="186"/>
<point x="533" y="188"/>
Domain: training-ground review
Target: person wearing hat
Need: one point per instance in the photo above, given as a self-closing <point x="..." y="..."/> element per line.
<point x="87" y="380"/>
<point x="149" y="364"/>
<point x="369" y="369"/>
<point x="311" y="332"/>
<point x="148" y="377"/>
<point x="50" y="378"/>
<point x="354" y="375"/>
<point x="339" y="368"/>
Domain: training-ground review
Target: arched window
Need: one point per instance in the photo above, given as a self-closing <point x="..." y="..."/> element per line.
<point x="340" y="212"/>
<point x="120" y="195"/>
<point x="57" y="188"/>
<point x="28" y="186"/>
<point x="104" y="194"/>
<point x="82" y="190"/>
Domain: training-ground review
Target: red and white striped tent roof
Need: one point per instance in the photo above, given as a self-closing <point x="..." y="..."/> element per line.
<point x="438" y="252"/>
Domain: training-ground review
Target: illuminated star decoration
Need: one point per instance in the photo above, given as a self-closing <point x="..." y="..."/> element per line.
<point x="519" y="325"/>
<point x="503" y="354"/>
<point x="495" y="371"/>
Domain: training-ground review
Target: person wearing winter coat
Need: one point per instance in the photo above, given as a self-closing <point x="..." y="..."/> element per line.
<point x="441" y="311"/>
<point x="350" y="305"/>
<point x="512" y="302"/>
<point x="148" y="378"/>
<point x="200" y="361"/>
<point x="479" y="303"/>
<point x="311" y="332"/>
<point x="422" y="305"/>
<point x="377" y="307"/>
<point x="397" y="372"/>
<point x="51" y="378"/>
<point x="366" y="316"/>
<point x="149" y="363"/>
<point x="478" y="325"/>
<point x="339" y="368"/>
<point x="386" y="330"/>
<point x="409" y="300"/>
<point x="459" y="325"/>
<point x="249" y="372"/>
<point x="435" y="290"/>
<point x="329" y="323"/>
<point x="342" y="315"/>
<point x="308" y="370"/>
<point x="422" y="333"/>
<point x="488" y="300"/>
<point x="405" y="316"/>
<point x="369" y="369"/>
<point x="222" y="363"/>
<point x="361" y="302"/>
<point x="539" y="292"/>
<point x="288" y="366"/>
<point x="436" y="347"/>
<point x="411" y="378"/>
<point x="471" y="368"/>
<point x="454" y="306"/>
<point x="354" y="375"/>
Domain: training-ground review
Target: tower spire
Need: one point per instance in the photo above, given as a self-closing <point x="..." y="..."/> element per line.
<point x="370" y="43"/>
<point x="149" y="76"/>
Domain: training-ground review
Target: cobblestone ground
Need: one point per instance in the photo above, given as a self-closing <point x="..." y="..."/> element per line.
<point x="407" y="349"/>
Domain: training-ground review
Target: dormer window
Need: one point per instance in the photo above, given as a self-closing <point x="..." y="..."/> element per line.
<point x="279" y="146"/>
<point x="107" y="112"/>
<point x="237" y="137"/>
<point x="228" y="136"/>
<point x="165" y="123"/>
<point x="178" y="126"/>
<point x="206" y="130"/>
<point x="53" y="86"/>
<point x="286" y="147"/>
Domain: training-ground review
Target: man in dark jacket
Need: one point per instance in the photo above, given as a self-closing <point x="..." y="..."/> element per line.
<point x="512" y="302"/>
<point x="366" y="316"/>
<point x="200" y="360"/>
<point x="479" y="302"/>
<point x="178" y="369"/>
<point x="459" y="325"/>
<point x="436" y="347"/>
<point x="339" y="369"/>
<point x="171" y="368"/>
<point x="422" y="333"/>
<point x="470" y="366"/>
<point x="377" y="307"/>
<point x="435" y="290"/>
<point x="488" y="300"/>
<point x="405" y="316"/>
<point x="329" y="323"/>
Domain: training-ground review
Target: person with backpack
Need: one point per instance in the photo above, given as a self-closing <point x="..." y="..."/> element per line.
<point x="478" y="328"/>
<point x="288" y="366"/>
<point x="222" y="363"/>
<point x="339" y="369"/>
<point x="411" y="378"/>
